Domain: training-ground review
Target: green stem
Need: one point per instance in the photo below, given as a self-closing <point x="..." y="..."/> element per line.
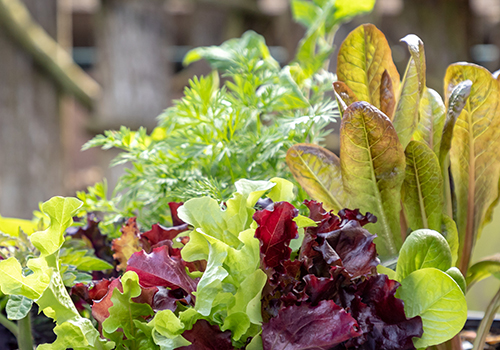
<point x="11" y="326"/>
<point x="25" y="339"/>
<point x="485" y="325"/>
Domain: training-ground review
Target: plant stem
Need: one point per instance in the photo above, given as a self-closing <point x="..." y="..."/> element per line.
<point x="25" y="338"/>
<point x="486" y="322"/>
<point x="11" y="326"/>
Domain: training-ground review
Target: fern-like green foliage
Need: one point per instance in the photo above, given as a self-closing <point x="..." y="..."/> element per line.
<point x="220" y="132"/>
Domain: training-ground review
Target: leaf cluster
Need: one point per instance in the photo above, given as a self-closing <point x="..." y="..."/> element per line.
<point x="414" y="161"/>
<point x="221" y="131"/>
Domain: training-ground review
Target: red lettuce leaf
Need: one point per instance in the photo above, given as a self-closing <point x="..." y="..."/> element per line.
<point x="159" y="233"/>
<point x="176" y="221"/>
<point x="380" y="316"/>
<point x="204" y="336"/>
<point x="301" y="327"/>
<point x="276" y="230"/>
<point x="159" y="268"/>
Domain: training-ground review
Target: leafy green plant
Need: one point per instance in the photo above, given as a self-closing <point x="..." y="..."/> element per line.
<point x="411" y="159"/>
<point x="271" y="279"/>
<point x="221" y="132"/>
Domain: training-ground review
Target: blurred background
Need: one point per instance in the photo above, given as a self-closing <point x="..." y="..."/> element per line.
<point x="70" y="69"/>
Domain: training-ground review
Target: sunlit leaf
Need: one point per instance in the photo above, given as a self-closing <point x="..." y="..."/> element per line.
<point x="474" y="156"/>
<point x="422" y="188"/>
<point x="372" y="164"/>
<point x="317" y="170"/>
<point x="406" y="115"/>
<point x="435" y="297"/>
<point x="127" y="244"/>
<point x="363" y="57"/>
<point x="489" y="266"/>
<point x="423" y="249"/>
<point x="455" y="103"/>
<point x="431" y="120"/>
<point x="449" y="231"/>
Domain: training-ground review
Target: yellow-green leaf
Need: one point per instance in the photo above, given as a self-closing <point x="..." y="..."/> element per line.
<point x="422" y="187"/>
<point x="406" y="115"/>
<point x="456" y="103"/>
<point x="363" y="57"/>
<point x="317" y="170"/>
<point x="484" y="268"/>
<point x="474" y="155"/>
<point x="432" y="116"/>
<point x="372" y="163"/>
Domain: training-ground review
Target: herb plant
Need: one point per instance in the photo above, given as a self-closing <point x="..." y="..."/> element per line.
<point x="221" y="132"/>
<point x="411" y="159"/>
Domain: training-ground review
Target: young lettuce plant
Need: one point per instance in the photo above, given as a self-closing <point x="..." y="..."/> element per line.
<point x="412" y="160"/>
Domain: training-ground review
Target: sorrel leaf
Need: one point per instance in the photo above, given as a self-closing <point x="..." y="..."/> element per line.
<point x="363" y="57"/>
<point x="372" y="163"/>
<point x="441" y="305"/>
<point x="406" y="115"/>
<point x="422" y="188"/>
<point x="432" y="113"/>
<point x="423" y="249"/>
<point x="489" y="266"/>
<point x="474" y="156"/>
<point x="317" y="170"/>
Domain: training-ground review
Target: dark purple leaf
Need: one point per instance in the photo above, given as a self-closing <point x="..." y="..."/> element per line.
<point x="276" y="230"/>
<point x="159" y="268"/>
<point x="380" y="316"/>
<point x="204" y="336"/>
<point x="309" y="327"/>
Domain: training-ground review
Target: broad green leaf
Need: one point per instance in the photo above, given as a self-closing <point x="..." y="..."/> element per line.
<point x="166" y="343"/>
<point x="406" y="115"/>
<point x="372" y="164"/>
<point x="294" y="98"/>
<point x="474" y="156"/>
<point x="255" y="343"/>
<point x="438" y="300"/>
<point x="432" y="117"/>
<point x="482" y="269"/>
<point x="449" y="231"/>
<point x="387" y="96"/>
<point x="124" y="311"/>
<point x="18" y="307"/>
<point x="167" y="324"/>
<point x="423" y="249"/>
<point x="456" y="103"/>
<point x="363" y="57"/>
<point x="345" y="96"/>
<point x="422" y="188"/>
<point x="457" y="276"/>
<point x="206" y="214"/>
<point x="317" y="170"/>
<point x="282" y="191"/>
<point x="91" y="263"/>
